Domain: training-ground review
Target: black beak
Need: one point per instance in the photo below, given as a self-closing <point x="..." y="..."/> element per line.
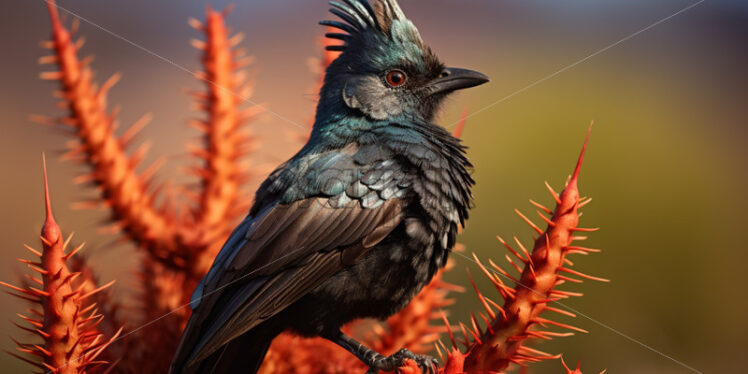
<point x="452" y="79"/>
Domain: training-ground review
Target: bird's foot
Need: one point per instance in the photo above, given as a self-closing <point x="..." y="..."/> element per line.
<point x="396" y="360"/>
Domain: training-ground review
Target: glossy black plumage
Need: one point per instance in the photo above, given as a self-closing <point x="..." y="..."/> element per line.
<point x="354" y="224"/>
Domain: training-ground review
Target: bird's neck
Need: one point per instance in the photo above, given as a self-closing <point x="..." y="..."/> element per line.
<point x="335" y="130"/>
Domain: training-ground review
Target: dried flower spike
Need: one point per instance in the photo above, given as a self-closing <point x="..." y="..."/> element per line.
<point x="507" y="327"/>
<point x="576" y="370"/>
<point x="124" y="191"/>
<point x="180" y="246"/>
<point x="225" y="140"/>
<point x="542" y="270"/>
<point x="63" y="318"/>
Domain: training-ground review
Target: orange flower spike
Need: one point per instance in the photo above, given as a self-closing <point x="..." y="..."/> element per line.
<point x="293" y="354"/>
<point x="65" y="322"/>
<point x="111" y="311"/>
<point x="502" y="343"/>
<point x="125" y="192"/>
<point x="221" y="175"/>
<point x="161" y="293"/>
<point x="60" y="313"/>
<point x="577" y="370"/>
<point x="454" y="364"/>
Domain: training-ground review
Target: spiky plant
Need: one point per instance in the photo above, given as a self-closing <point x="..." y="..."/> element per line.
<point x="112" y="310"/>
<point x="179" y="248"/>
<point x="62" y="316"/>
<point x="502" y="341"/>
<point x="576" y="370"/>
<point x="225" y="141"/>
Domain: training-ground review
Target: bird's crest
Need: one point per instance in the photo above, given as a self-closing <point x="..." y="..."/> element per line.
<point x="361" y="19"/>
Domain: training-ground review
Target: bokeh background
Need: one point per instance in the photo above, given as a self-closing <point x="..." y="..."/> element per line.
<point x="666" y="164"/>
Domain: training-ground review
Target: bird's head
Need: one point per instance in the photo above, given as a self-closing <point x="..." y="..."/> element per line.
<point x="385" y="69"/>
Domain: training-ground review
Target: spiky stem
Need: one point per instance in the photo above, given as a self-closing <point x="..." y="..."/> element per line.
<point x="110" y="310"/>
<point x="577" y="370"/>
<point x="501" y="344"/>
<point x="66" y="322"/>
<point x="124" y="191"/>
<point x="221" y="175"/>
<point x="162" y="307"/>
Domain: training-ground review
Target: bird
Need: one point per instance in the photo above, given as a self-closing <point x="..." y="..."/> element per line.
<point x="356" y="222"/>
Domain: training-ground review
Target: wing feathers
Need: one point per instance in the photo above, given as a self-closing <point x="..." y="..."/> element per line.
<point x="286" y="252"/>
<point x="276" y="294"/>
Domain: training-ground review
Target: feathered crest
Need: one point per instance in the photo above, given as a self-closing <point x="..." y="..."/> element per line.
<point x="383" y="16"/>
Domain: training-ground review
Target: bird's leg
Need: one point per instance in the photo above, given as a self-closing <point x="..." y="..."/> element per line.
<point x="376" y="361"/>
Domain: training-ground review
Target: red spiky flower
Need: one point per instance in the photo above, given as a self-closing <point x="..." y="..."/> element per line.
<point x="576" y="370"/>
<point x="225" y="139"/>
<point x="63" y="317"/>
<point x="179" y="242"/>
<point x="526" y="296"/>
<point x="124" y="191"/>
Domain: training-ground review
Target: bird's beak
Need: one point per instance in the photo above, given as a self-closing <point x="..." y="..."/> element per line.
<point x="452" y="79"/>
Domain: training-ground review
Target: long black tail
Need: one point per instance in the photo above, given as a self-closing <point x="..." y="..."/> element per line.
<point x="242" y="355"/>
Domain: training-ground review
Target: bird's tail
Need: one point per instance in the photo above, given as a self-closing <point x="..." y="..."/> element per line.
<point x="242" y="355"/>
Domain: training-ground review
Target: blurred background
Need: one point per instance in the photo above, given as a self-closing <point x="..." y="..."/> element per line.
<point x="666" y="165"/>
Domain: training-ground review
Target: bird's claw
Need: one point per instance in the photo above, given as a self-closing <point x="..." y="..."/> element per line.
<point x="427" y="364"/>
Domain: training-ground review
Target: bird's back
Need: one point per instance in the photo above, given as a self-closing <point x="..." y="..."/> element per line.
<point x="383" y="216"/>
<point x="425" y="168"/>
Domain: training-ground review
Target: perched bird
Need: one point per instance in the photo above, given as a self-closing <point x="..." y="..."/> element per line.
<point x="354" y="224"/>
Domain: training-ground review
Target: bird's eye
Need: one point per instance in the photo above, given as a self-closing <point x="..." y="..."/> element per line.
<point x="396" y="78"/>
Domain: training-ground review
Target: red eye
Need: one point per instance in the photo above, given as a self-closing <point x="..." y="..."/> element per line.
<point x="396" y="78"/>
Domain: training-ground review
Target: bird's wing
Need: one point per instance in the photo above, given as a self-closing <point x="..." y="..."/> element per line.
<point x="273" y="259"/>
